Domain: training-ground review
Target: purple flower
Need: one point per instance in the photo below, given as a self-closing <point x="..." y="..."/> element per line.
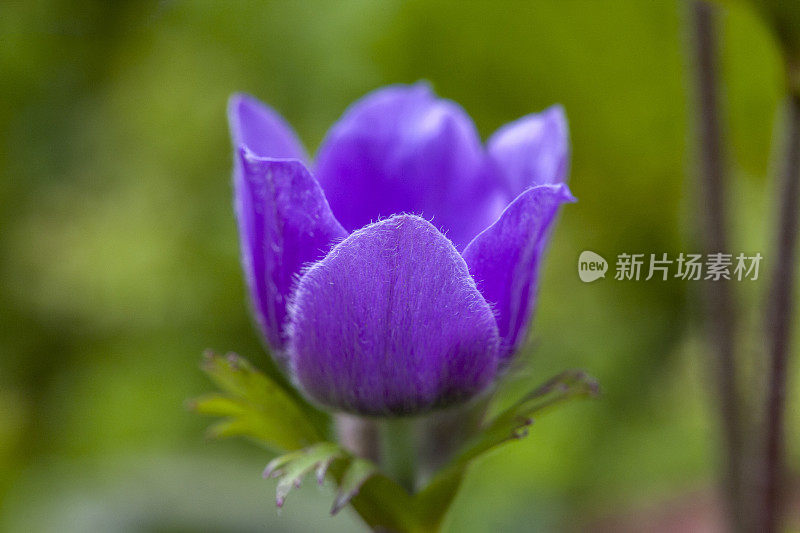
<point x="397" y="272"/>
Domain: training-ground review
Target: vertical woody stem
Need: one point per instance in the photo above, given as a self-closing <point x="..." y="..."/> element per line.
<point x="779" y="319"/>
<point x="719" y="300"/>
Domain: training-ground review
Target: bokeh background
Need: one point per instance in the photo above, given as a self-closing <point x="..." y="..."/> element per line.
<point x="119" y="259"/>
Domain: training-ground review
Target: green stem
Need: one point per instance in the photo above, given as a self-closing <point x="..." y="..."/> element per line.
<point x="400" y="446"/>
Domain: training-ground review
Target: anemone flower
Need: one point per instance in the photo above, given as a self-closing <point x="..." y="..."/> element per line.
<point x="396" y="272"/>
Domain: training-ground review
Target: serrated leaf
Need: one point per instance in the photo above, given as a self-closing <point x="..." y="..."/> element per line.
<point x="273" y="468"/>
<point x="383" y="504"/>
<point x="322" y="469"/>
<point x="292" y="468"/>
<point x="255" y="406"/>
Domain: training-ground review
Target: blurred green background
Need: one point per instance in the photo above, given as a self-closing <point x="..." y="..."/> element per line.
<point x="119" y="259"/>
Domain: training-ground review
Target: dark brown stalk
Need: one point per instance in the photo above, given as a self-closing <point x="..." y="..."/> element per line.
<point x="719" y="300"/>
<point x="779" y="318"/>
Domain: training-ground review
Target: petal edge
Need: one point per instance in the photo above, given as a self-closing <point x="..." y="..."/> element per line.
<point x="504" y="259"/>
<point x="532" y="150"/>
<point x="261" y="129"/>
<point x="284" y="224"/>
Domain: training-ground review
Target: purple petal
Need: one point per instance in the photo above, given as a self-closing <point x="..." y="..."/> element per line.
<point x="390" y="322"/>
<point x="402" y="150"/>
<point x="533" y="150"/>
<point x="284" y="223"/>
<point x="262" y="130"/>
<point x="505" y="258"/>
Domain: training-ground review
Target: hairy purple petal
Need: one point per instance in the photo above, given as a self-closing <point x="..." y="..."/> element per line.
<point x="391" y="322"/>
<point x="504" y="259"/>
<point x="284" y="223"/>
<point x="262" y="130"/>
<point x="533" y="150"/>
<point x="402" y="150"/>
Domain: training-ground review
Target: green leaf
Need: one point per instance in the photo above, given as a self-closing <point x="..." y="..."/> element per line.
<point x="513" y="422"/>
<point x="380" y="501"/>
<point x="254" y="406"/>
<point x="293" y="467"/>
<point x="510" y="425"/>
<point x="274" y="467"/>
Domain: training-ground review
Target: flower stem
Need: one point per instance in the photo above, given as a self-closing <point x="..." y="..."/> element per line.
<point x="359" y="435"/>
<point x="444" y="432"/>
<point x="719" y="300"/>
<point x="400" y="442"/>
<point x="779" y="319"/>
